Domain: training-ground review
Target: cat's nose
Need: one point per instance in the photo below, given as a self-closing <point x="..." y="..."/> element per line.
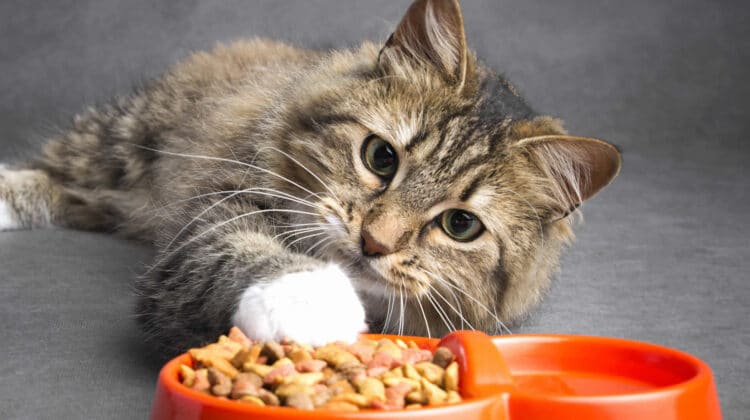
<point x="371" y="247"/>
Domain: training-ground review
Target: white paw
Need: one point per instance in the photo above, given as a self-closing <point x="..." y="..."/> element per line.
<point x="7" y="217"/>
<point x="8" y="220"/>
<point x="27" y="190"/>
<point x="314" y="307"/>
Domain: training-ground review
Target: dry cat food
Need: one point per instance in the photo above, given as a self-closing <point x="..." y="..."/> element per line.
<point x="381" y="375"/>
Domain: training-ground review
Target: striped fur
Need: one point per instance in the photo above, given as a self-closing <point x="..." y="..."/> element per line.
<point x="223" y="162"/>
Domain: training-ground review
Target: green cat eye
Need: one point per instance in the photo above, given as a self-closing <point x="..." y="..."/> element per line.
<point x="461" y="225"/>
<point x="379" y="157"/>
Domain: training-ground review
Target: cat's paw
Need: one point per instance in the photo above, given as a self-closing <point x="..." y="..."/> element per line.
<point x="24" y="199"/>
<point x="8" y="218"/>
<point x="314" y="307"/>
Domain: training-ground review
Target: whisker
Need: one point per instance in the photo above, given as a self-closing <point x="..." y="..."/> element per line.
<point x="295" y="232"/>
<point x="300" y="224"/>
<point x="501" y="324"/>
<point x="222" y="224"/>
<point x="472" y="298"/>
<point x="424" y="316"/>
<point x="391" y="303"/>
<point x="303" y="167"/>
<point x="460" y="310"/>
<point x="449" y="325"/>
<point x="456" y="311"/>
<point x="309" y="250"/>
<point x="219" y="159"/>
<point x="199" y="215"/>
<point x="244" y="174"/>
<point x="402" y="309"/>
<point x="270" y="192"/>
<point x="196" y="197"/>
<point x="304" y="237"/>
<point x="441" y="312"/>
<point x="320" y="252"/>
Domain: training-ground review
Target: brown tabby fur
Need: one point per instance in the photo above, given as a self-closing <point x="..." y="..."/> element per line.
<point x="161" y="165"/>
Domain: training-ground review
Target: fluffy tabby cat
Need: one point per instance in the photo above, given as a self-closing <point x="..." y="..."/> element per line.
<point x="306" y="194"/>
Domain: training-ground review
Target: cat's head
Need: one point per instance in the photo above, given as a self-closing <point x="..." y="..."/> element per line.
<point x="438" y="185"/>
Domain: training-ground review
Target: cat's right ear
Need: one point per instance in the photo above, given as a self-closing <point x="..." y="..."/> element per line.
<point x="430" y="33"/>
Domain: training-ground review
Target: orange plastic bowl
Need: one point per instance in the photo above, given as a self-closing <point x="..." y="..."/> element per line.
<point x="513" y="378"/>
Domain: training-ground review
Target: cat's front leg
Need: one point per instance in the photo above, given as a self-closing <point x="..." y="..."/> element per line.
<point x="218" y="274"/>
<point x="316" y="307"/>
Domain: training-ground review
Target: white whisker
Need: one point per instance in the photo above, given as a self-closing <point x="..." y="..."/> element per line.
<point x="244" y="174"/>
<point x="309" y="250"/>
<point x="237" y="162"/>
<point x="391" y="296"/>
<point x="235" y="193"/>
<point x="294" y="232"/>
<point x="458" y="311"/>
<point x="305" y="237"/>
<point x="224" y="223"/>
<point x="443" y="316"/>
<point x="321" y="250"/>
<point x="472" y="298"/>
<point x="303" y="167"/>
<point x="424" y="316"/>
<point x="196" y="197"/>
<point x="402" y="312"/>
<point x="295" y="225"/>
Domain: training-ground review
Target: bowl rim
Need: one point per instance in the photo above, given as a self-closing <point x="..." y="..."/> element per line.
<point x="169" y="377"/>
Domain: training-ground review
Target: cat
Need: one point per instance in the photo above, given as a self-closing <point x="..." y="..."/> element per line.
<point x="401" y="187"/>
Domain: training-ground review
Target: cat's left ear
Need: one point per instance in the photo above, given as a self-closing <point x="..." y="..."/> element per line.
<point x="579" y="166"/>
<point x="432" y="33"/>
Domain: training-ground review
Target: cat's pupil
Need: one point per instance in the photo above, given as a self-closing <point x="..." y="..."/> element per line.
<point x="379" y="157"/>
<point x="384" y="156"/>
<point x="461" y="221"/>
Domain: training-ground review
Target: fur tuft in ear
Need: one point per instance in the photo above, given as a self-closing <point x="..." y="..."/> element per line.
<point x="580" y="166"/>
<point x="432" y="31"/>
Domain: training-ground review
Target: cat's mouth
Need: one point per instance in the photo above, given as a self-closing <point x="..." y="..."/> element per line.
<point x="384" y="277"/>
<point x="380" y="275"/>
<point x="373" y="276"/>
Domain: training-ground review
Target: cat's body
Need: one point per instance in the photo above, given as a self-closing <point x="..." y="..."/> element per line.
<point x="271" y="179"/>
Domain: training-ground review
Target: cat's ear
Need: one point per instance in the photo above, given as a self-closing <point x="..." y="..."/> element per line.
<point x="432" y="33"/>
<point x="579" y="166"/>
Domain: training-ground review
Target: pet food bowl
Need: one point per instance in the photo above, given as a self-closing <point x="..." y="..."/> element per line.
<point x="517" y="377"/>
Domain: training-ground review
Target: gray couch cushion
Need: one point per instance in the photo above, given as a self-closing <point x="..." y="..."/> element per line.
<point x="662" y="257"/>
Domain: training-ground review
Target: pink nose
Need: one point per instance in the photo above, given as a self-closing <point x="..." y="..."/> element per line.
<point x="371" y="247"/>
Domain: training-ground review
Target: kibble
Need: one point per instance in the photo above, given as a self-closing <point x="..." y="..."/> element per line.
<point x="221" y="385"/>
<point x="378" y="375"/>
<point x="451" y="377"/>
<point x="300" y="400"/>
<point x="188" y="375"/>
<point x="443" y="357"/>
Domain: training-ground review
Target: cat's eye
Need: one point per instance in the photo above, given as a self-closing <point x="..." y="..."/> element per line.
<point x="461" y="225"/>
<point x="379" y="157"/>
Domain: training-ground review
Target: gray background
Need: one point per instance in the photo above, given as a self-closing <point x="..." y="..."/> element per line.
<point x="662" y="255"/>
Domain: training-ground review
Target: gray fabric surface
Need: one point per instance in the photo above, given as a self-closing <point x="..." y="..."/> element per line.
<point x="662" y="257"/>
